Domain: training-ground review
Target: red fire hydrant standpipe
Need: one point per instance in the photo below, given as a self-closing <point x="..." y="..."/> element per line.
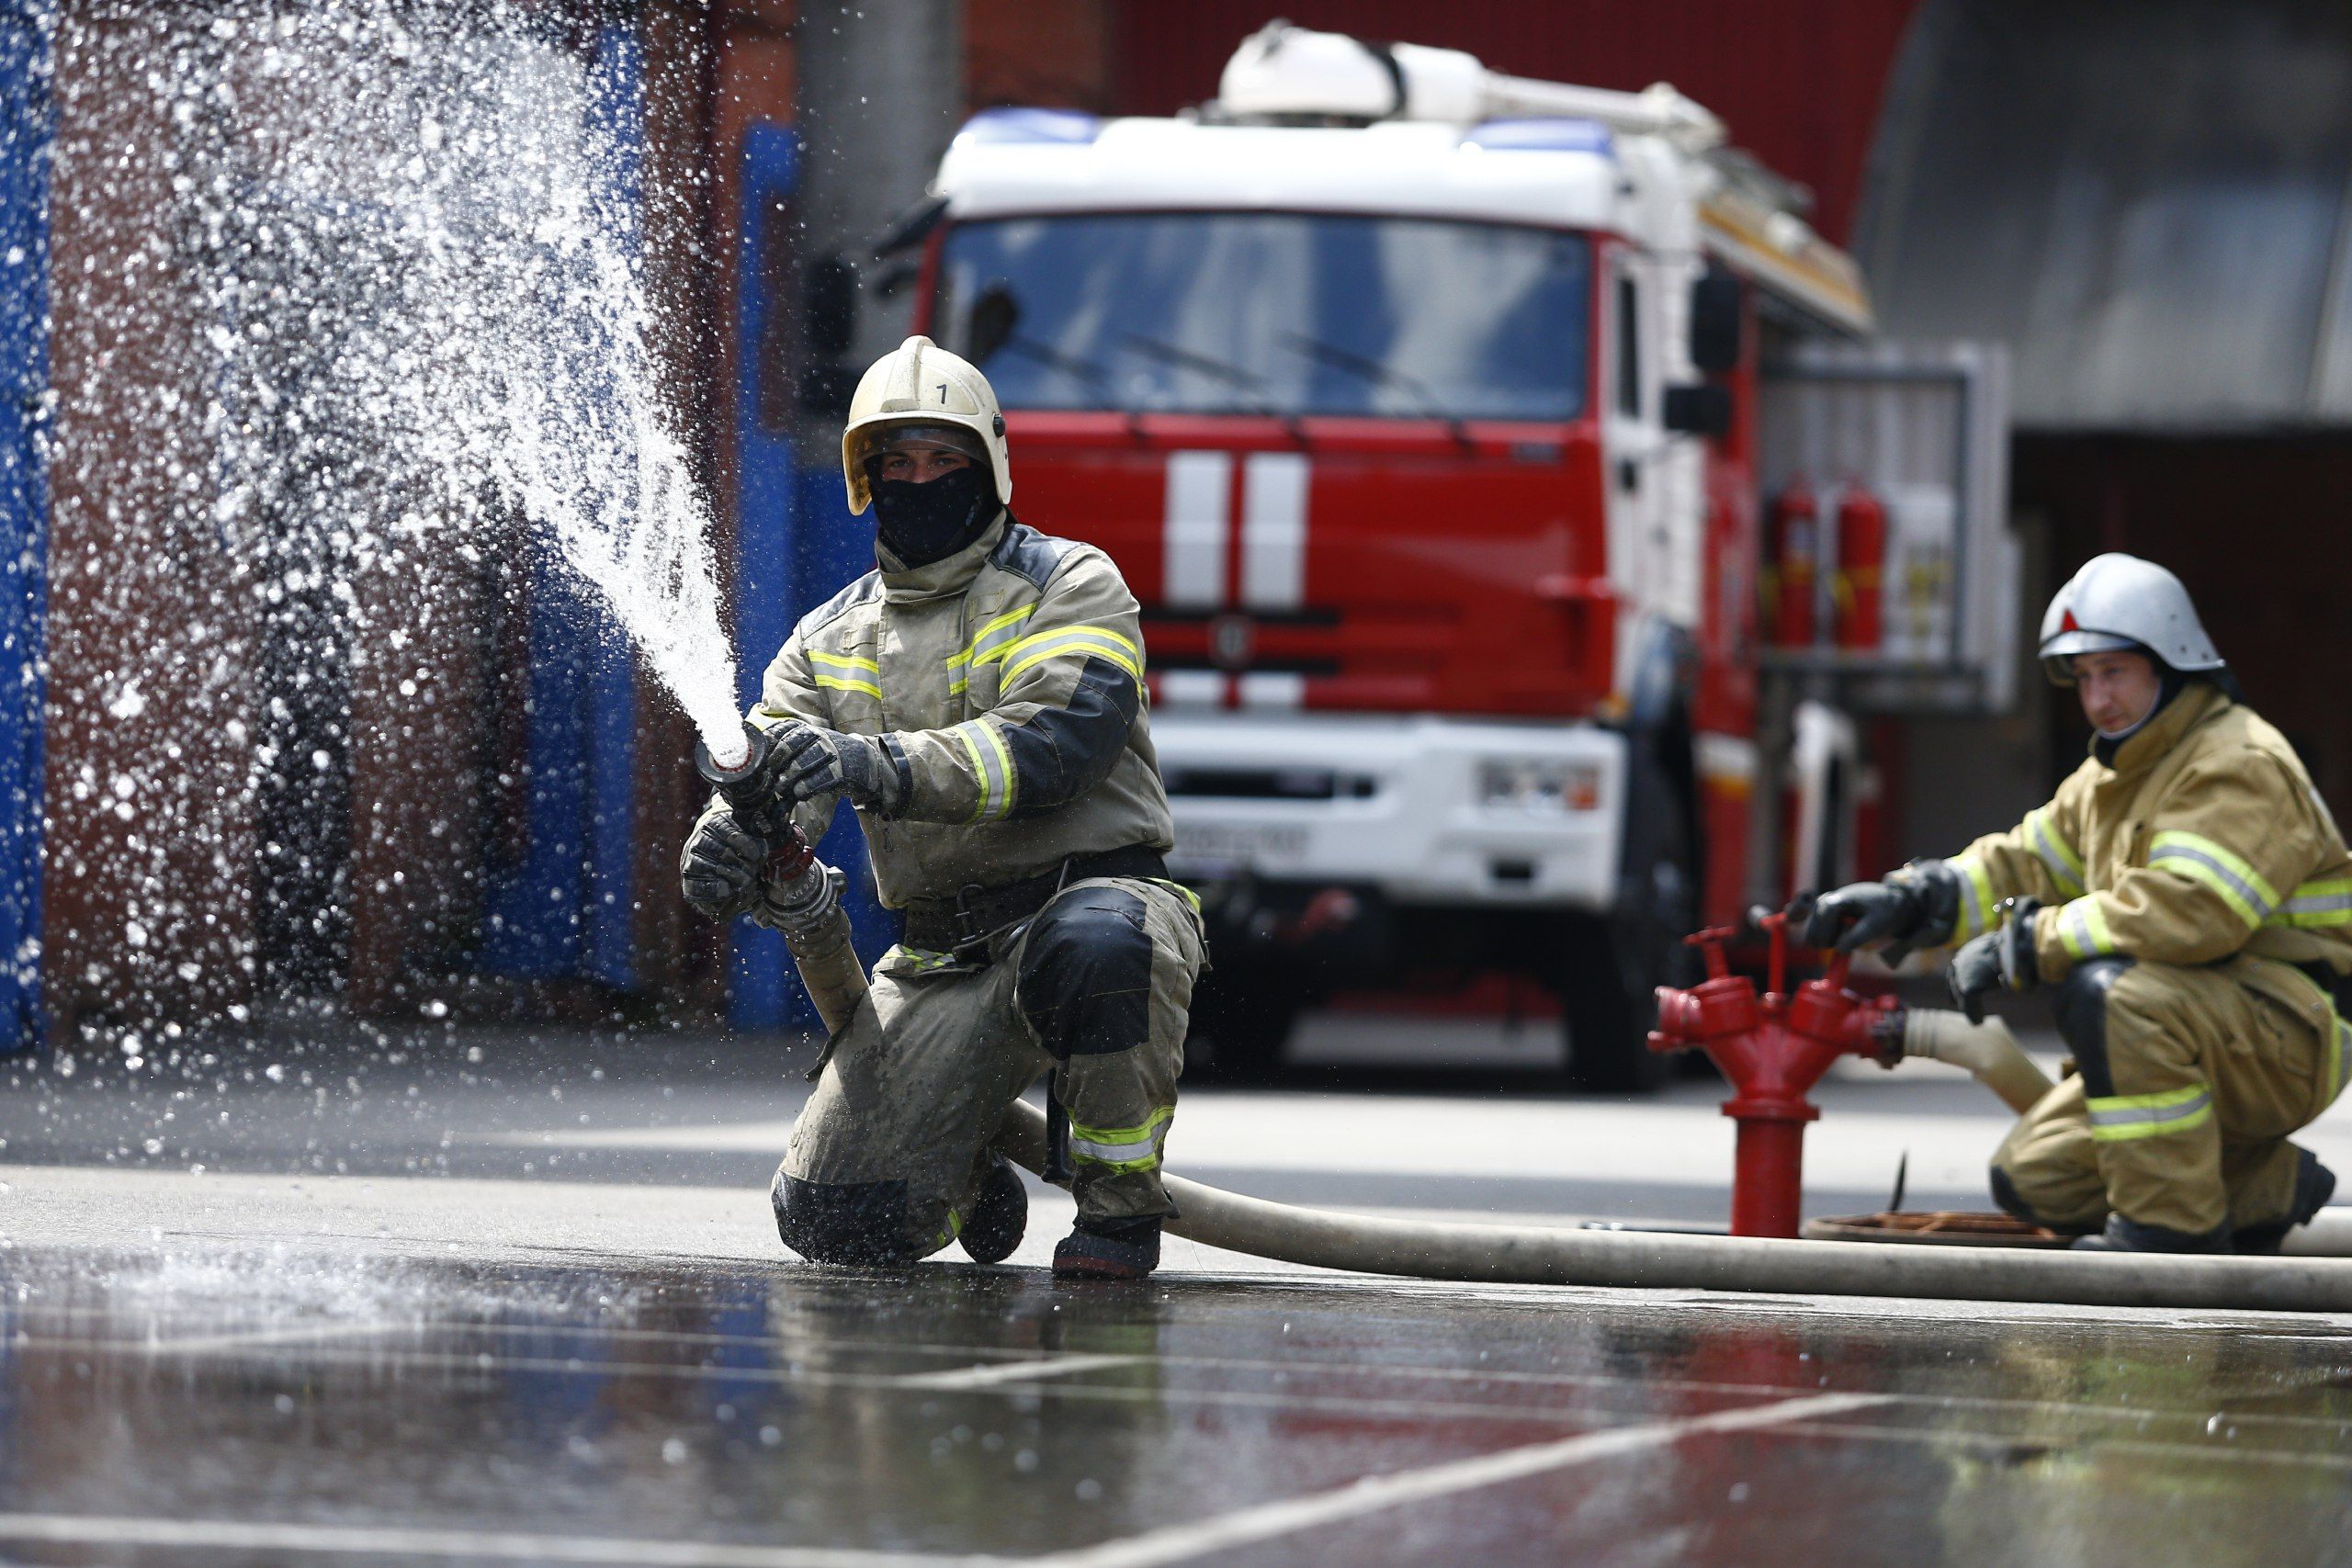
<point x="1773" y="1048"/>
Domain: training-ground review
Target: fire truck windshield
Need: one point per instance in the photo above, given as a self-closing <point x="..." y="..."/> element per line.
<point x="1272" y="313"/>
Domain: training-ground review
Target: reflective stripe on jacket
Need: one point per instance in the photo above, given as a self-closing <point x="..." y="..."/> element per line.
<point x="1009" y="677"/>
<point x="2205" y="840"/>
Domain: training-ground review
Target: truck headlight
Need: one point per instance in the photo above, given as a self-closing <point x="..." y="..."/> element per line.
<point x="1539" y="788"/>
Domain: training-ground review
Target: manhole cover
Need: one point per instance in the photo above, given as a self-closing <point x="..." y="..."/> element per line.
<point x="1941" y="1228"/>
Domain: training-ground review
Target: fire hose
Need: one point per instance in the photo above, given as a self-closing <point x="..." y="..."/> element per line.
<point x="1534" y="1254"/>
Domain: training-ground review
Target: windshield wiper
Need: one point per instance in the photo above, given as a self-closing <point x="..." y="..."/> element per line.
<point x="1233" y="375"/>
<point x="1379" y="375"/>
<point x="1084" y="372"/>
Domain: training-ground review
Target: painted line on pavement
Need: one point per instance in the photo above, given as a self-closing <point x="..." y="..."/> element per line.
<point x="2202" y="1454"/>
<point x="201" y="1344"/>
<point x="994" y="1374"/>
<point x="207" y="1343"/>
<point x="234" y="1535"/>
<point x="1375" y="1493"/>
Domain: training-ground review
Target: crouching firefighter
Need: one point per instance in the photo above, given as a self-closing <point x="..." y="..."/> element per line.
<point x="978" y="699"/>
<point x="2188" y="897"/>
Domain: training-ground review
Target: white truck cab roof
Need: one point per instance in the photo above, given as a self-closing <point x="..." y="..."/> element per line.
<point x="1319" y="122"/>
<point x="1558" y="174"/>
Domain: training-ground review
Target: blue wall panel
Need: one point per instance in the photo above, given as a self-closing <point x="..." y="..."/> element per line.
<point x="796" y="547"/>
<point x="26" y="128"/>
<point x="567" y="909"/>
<point x="765" y="993"/>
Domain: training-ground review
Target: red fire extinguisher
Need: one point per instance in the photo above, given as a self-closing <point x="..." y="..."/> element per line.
<point x="1792" y="553"/>
<point x="1857" y="588"/>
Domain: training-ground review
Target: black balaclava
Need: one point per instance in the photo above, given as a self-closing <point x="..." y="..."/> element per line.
<point x="920" y="523"/>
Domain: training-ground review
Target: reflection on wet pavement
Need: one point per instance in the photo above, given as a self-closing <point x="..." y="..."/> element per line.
<point x="229" y="1402"/>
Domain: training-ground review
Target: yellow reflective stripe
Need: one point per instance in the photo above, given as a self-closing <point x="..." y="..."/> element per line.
<point x="2066" y="866"/>
<point x="1122" y="1148"/>
<point x="1101" y="641"/>
<point x="980" y="768"/>
<point x="844" y="661"/>
<point x="2123" y="1118"/>
<point x="920" y="957"/>
<point x="1182" y="891"/>
<point x="842" y="683"/>
<point x="2326" y="903"/>
<point x="2200" y="859"/>
<point x="993" y="763"/>
<point x="2082" y="928"/>
<point x="2337" y="1052"/>
<point x="1004" y="760"/>
<point x="1976" y="909"/>
<point x="985" y="644"/>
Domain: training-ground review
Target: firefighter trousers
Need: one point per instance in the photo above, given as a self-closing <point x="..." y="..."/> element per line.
<point x="2187" y="1082"/>
<point x="1095" y="988"/>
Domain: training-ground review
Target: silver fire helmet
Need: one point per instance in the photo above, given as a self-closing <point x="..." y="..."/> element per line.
<point x="2122" y="601"/>
<point x="919" y="383"/>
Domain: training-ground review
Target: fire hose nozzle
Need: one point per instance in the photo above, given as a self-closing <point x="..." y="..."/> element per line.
<point x="765" y="810"/>
<point x="757" y="744"/>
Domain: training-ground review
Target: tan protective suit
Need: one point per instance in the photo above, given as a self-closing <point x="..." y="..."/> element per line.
<point x="2195" y="894"/>
<point x="1006" y="683"/>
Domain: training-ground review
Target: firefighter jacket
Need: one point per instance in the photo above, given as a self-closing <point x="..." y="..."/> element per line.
<point x="2203" y="842"/>
<point x="1006" y="684"/>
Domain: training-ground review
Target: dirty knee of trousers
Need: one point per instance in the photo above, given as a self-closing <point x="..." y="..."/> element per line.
<point x="2081" y="1008"/>
<point x="1085" y="982"/>
<point x="861" y="1223"/>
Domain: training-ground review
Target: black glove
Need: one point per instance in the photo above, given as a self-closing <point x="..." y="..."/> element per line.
<point x="2002" y="957"/>
<point x="719" y="869"/>
<point x="826" y="761"/>
<point x="1864" y="912"/>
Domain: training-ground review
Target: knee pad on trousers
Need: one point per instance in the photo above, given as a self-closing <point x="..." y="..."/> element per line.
<point x="2082" y="1004"/>
<point x="864" y="1222"/>
<point x="1085" y="982"/>
<point x="2012" y="1203"/>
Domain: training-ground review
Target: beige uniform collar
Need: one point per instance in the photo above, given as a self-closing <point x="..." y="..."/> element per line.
<point x="2198" y="702"/>
<point x="942" y="579"/>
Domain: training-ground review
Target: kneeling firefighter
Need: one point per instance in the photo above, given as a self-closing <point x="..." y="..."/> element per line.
<point x="978" y="699"/>
<point x="2189" y="895"/>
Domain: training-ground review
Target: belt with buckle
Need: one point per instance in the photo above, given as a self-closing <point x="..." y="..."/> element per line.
<point x="962" y="925"/>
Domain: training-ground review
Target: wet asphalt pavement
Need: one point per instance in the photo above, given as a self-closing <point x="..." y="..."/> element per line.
<point x="503" y="1335"/>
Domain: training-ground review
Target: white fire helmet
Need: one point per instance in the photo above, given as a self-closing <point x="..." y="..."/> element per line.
<point x="2122" y="601"/>
<point x="919" y="383"/>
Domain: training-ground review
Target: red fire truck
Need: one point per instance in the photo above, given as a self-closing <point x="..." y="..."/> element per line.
<point x="1505" y="467"/>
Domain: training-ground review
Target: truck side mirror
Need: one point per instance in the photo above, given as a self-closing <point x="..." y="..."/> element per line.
<point x="828" y="326"/>
<point x="1715" y="322"/>
<point x="1699" y="410"/>
<point x="996" y="316"/>
<point x="829" y="307"/>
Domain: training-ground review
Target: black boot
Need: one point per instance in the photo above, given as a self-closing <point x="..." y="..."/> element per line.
<point x="2314" y="1185"/>
<point x="999" y="1214"/>
<point x="1108" y="1249"/>
<point x="2130" y="1236"/>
